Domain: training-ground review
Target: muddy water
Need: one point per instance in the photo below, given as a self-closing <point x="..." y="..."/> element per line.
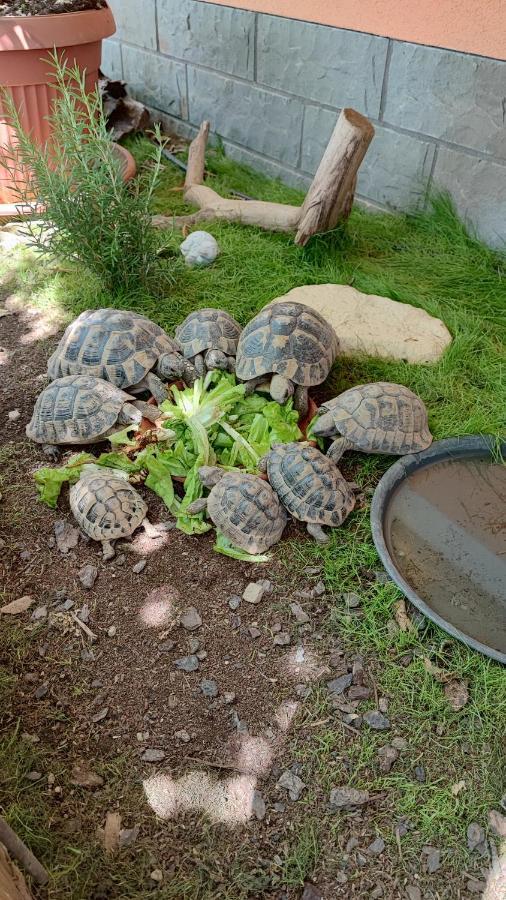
<point x="447" y="527"/>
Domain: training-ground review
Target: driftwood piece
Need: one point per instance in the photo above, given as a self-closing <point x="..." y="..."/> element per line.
<point x="12" y="884"/>
<point x="18" y="850"/>
<point x="329" y="199"/>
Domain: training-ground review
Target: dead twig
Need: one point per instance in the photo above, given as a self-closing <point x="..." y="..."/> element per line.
<point x="18" y="850"/>
<point x="88" y="632"/>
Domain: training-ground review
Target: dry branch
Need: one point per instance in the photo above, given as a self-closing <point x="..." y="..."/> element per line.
<point x="18" y="850"/>
<point x="329" y="199"/>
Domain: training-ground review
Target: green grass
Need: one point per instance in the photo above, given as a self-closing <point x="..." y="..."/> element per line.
<point x="431" y="261"/>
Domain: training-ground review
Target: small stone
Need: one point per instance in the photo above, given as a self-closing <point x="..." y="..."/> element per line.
<point x="88" y="576"/>
<point x="41" y="691"/>
<point x="193" y="644"/>
<point x="347" y="798"/>
<point x="413" y="892"/>
<point x="358" y="670"/>
<point x="497" y="823"/>
<point x="432" y="859"/>
<point x="301" y="616"/>
<point x="338" y="685"/>
<point x="101" y="715"/>
<point x="84" y="614"/>
<point x="83" y="776"/>
<point x="209" y="688"/>
<point x="253" y="592"/>
<point x="420" y="774"/>
<point x="291" y="783"/>
<point x="234" y="602"/>
<point x="166" y="646"/>
<point x="383" y="704"/>
<point x="87" y="654"/>
<point x="377" y="892"/>
<point x="392" y="628"/>
<point x="361" y="860"/>
<point x="66" y="606"/>
<point x="229" y="697"/>
<point x="238" y="724"/>
<point x="139" y="566"/>
<point x="142" y="736"/>
<point x="34" y="776"/>
<point x="399" y="743"/>
<point x="358" y="692"/>
<point x="66" y="536"/>
<point x="279" y="807"/>
<point x="351" y="844"/>
<point x="376" y="720"/>
<point x="151" y="754"/>
<point x="172" y="701"/>
<point x="352" y="600"/>
<point x="276" y="628"/>
<point x="120" y="560"/>
<point x="183" y="736"/>
<point x="303" y="690"/>
<point x="39" y="613"/>
<point x="376" y="848"/>
<point x="340" y="878"/>
<point x="190" y="619"/>
<point x="128" y="836"/>
<point x="406" y="659"/>
<point x="111" y="631"/>
<point x="13" y="415"/>
<point x="258" y="806"/>
<point x="282" y="639"/>
<point x="312" y="570"/>
<point x="311" y="892"/>
<point x="156" y="875"/>
<point x="387" y="756"/>
<point x="187" y="663"/>
<point x="201" y="654"/>
<point x="476" y="839"/>
<point x="381" y="577"/>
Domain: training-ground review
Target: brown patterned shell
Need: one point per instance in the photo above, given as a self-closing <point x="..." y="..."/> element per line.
<point x="247" y="511"/>
<point x="77" y="409"/>
<point x="309" y="484"/>
<point x="106" y="506"/>
<point x="117" y="345"/>
<point x="289" y="339"/>
<point x="208" y="329"/>
<point x="381" y="417"/>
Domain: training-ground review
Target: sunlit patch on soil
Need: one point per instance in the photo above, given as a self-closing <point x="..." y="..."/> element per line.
<point x="159" y="607"/>
<point x="254" y="755"/>
<point x="302" y="664"/>
<point x="5" y="356"/>
<point x="285" y="715"/>
<point x="144" y="544"/>
<point x="228" y="801"/>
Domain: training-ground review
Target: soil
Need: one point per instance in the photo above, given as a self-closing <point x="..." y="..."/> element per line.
<point x="47" y="7"/>
<point x="110" y="701"/>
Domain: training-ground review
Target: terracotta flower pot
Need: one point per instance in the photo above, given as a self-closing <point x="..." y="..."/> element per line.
<point x="25" y="45"/>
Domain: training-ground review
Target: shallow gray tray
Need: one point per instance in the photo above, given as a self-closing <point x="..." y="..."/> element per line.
<point x="474" y="447"/>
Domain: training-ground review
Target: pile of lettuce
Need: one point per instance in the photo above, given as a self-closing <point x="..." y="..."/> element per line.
<point x="211" y="423"/>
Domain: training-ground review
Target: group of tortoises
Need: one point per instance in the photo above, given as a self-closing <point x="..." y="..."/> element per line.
<point x="107" y="357"/>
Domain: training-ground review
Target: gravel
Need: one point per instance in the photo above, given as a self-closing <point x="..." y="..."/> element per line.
<point x="352" y="600"/>
<point x="209" y="688"/>
<point x="255" y="590"/>
<point x="301" y="616"/>
<point x="87" y="576"/>
<point x="338" y="685"/>
<point x="152" y="755"/>
<point x="187" y="663"/>
<point x="476" y="838"/>
<point x="387" y="756"/>
<point x="190" y="619"/>
<point x="66" y="536"/>
<point x="420" y="774"/>
<point x="376" y="848"/>
<point x="234" y="602"/>
<point x="376" y="720"/>
<point x="258" y="807"/>
<point x="139" y="566"/>
<point x="291" y="783"/>
<point x="432" y="859"/>
<point x="39" y="613"/>
<point x="282" y="639"/>
<point x="347" y="798"/>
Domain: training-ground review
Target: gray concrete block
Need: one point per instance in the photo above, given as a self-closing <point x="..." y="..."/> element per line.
<point x="111" y="64"/>
<point x="328" y="65"/>
<point x="396" y="166"/>
<point x="135" y="21"/>
<point x="271" y="169"/>
<point x="454" y="96"/>
<point x="207" y="34"/>
<point x="478" y="187"/>
<point x="262" y="121"/>
<point x="156" y="80"/>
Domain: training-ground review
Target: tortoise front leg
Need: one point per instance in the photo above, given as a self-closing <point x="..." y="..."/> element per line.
<point x="196" y="507"/>
<point x="317" y="532"/>
<point x="300" y="400"/>
<point x="108" y="551"/>
<point x="199" y="365"/>
<point x="252" y="384"/>
<point x="51" y="451"/>
<point x="156" y="387"/>
<point x="281" y="388"/>
<point x="337" y="448"/>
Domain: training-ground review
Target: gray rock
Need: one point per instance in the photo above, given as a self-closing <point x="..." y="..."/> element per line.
<point x="166" y="646"/>
<point x="279" y="807"/>
<point x="187" y="663"/>
<point x="376" y="848"/>
<point x="376" y="720"/>
<point x="383" y="704"/>
<point x="234" y="602"/>
<point x="238" y="723"/>
<point x="413" y="892"/>
<point x="13" y="415"/>
<point x="68" y="604"/>
<point x="128" y="836"/>
<point x="420" y="774"/>
<point x="387" y="756"/>
<point x="311" y="892"/>
<point x="358" y="692"/>
<point x="432" y="859"/>
<point x="258" y="806"/>
<point x="151" y="754"/>
<point x="318" y="590"/>
<point x="476" y="887"/>
<point x="39" y="613"/>
<point x="282" y="639"/>
<point x="190" y="619"/>
<point x="291" y="783"/>
<point x="199" y="249"/>
<point x="111" y="631"/>
<point x="84" y="613"/>
<point x="88" y="575"/>
<point x="183" y="736"/>
<point x="100" y="715"/>
<point x="201" y="654"/>
<point x="347" y="798"/>
<point x="476" y="838"/>
<point x="41" y="691"/>
<point x="193" y="644"/>
<point x="399" y="743"/>
<point x="66" y="536"/>
<point x="254" y="632"/>
<point x="301" y="616"/>
<point x="381" y="577"/>
<point x="209" y="688"/>
<point x="339" y="685"/>
<point x="229" y="697"/>
<point x="254" y="592"/>
<point x="352" y="600"/>
<point x="139" y="566"/>
<point x="378" y="891"/>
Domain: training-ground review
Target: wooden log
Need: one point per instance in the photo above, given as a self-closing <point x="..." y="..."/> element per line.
<point x="18" y="850"/>
<point x="197" y="157"/>
<point x="12" y="884"/>
<point x="328" y="198"/>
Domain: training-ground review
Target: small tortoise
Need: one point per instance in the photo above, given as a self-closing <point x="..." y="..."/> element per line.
<point x="212" y="332"/>
<point x="291" y="342"/>
<point x="82" y="409"/>
<point x="375" y="418"/>
<point x="310" y="486"/>
<point x="122" y="347"/>
<point x="106" y="506"/>
<point x="243" y="507"/>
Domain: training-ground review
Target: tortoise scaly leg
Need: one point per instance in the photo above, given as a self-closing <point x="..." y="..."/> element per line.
<point x="108" y="551"/>
<point x="337" y="448"/>
<point x="199" y="365"/>
<point x="196" y="507"/>
<point x="51" y="451"/>
<point x="300" y="400"/>
<point x="317" y="532"/>
<point x="231" y="364"/>
<point x="252" y="384"/>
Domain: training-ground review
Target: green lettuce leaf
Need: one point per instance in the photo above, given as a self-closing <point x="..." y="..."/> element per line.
<point x="223" y="545"/>
<point x="51" y="480"/>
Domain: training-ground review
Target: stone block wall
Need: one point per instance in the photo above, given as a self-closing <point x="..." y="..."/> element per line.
<point x="272" y="88"/>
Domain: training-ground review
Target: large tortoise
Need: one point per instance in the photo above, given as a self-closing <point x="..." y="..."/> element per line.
<point x="209" y="338"/>
<point x="310" y="486"/>
<point x="122" y="347"/>
<point x="381" y="417"/>
<point x="106" y="506"/>
<point x="82" y="409"/>
<point x="293" y="344"/>
<point x="243" y="507"/>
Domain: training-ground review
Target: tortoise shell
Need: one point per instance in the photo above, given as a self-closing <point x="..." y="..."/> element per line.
<point x="247" y="511"/>
<point x="309" y="484"/>
<point x="381" y="418"/>
<point x="289" y="339"/>
<point x="208" y="329"/>
<point x="117" y="345"/>
<point x="106" y="506"/>
<point x="77" y="409"/>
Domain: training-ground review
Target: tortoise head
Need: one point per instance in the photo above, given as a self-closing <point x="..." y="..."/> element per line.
<point x="210" y="475"/>
<point x="324" y="425"/>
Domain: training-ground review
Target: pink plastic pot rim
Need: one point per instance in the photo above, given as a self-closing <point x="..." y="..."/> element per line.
<point x="61" y="30"/>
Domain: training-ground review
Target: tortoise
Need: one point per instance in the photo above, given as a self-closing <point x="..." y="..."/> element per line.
<point x="243" y="507"/>
<point x="292" y="343"/>
<point x="380" y="417"/>
<point x="82" y="409"/>
<point x="209" y="338"/>
<point x="122" y="347"/>
<point x="310" y="486"/>
<point x="106" y="506"/>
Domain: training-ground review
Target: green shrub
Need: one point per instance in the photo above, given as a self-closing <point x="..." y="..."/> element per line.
<point x="85" y="211"/>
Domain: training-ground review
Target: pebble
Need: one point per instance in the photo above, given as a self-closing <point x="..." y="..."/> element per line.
<point x="392" y="628"/>
<point x="476" y="839"/>
<point x="301" y="616"/>
<point x="347" y="798"/>
<point x="399" y="743"/>
<point x="340" y="878"/>
<point x="66" y="536"/>
<point x="120" y="560"/>
<point x="41" y="691"/>
<point x="183" y="736"/>
<point x="238" y="724"/>
<point x="172" y="701"/>
<point x="201" y="654"/>
<point x="254" y="632"/>
<point x="139" y="566"/>
<point x="39" y="613"/>
<point x="187" y="663"/>
<point x="111" y="631"/>
<point x="228" y="697"/>
<point x="234" y="602"/>
<point x="413" y="892"/>
<point x="64" y="607"/>
<point x="276" y="628"/>
<point x="100" y="716"/>
<point x="253" y="592"/>
<point x="279" y="807"/>
<point x="88" y="576"/>
<point x="151" y="754"/>
<point x="34" y="776"/>
<point x="193" y="644"/>
<point x="387" y="756"/>
<point x="166" y="646"/>
<point x="258" y="806"/>
<point x="376" y="848"/>
<point x="381" y="577"/>
<point x="209" y="688"/>
<point x="282" y="639"/>
<point x="358" y="692"/>
<point x="13" y="415"/>
<point x="311" y="892"/>
<point x="312" y="570"/>
<point x="352" y="600"/>
<point x="84" y="613"/>
<point x="420" y="774"/>
<point x="339" y="685"/>
<point x="376" y="720"/>
<point x="190" y="619"/>
<point x="291" y="783"/>
<point x="128" y="836"/>
<point x="358" y="670"/>
<point x="383" y="704"/>
<point x="432" y="859"/>
<point x="378" y="891"/>
<point x="156" y="875"/>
